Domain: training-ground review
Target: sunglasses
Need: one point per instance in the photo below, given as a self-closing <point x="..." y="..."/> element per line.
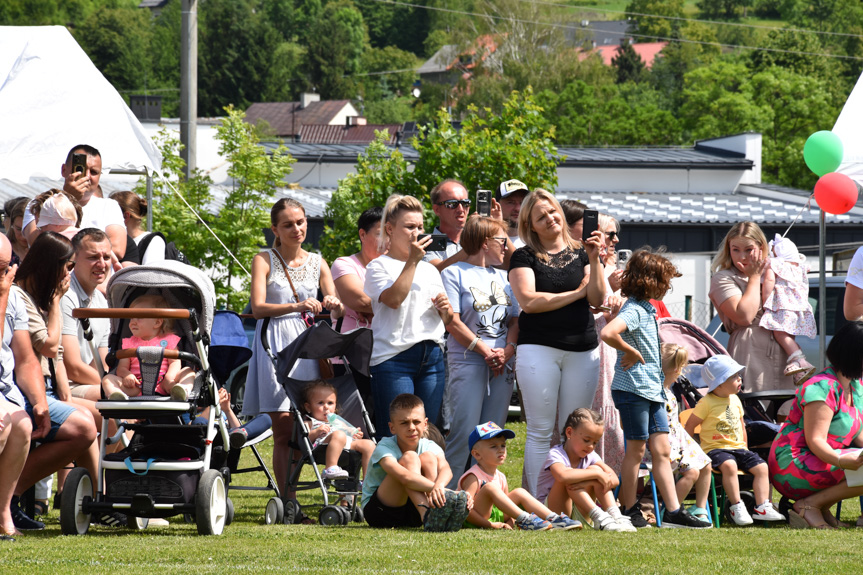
<point x="612" y="235"/>
<point x="308" y="318"/>
<point x="453" y="204"/>
<point x="502" y="239"/>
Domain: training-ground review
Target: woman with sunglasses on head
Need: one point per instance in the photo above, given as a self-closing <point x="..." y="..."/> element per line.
<point x="411" y="310"/>
<point x="285" y="283"/>
<point x="482" y="338"/>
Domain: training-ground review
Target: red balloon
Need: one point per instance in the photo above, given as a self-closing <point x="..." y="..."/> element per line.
<point x="835" y="193"/>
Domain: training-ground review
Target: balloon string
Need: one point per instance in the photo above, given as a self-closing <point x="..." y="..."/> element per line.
<point x="806" y="206"/>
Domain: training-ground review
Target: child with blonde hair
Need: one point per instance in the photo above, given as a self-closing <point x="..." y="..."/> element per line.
<point x="320" y="405"/>
<point x="574" y="473"/>
<point x="174" y="379"/>
<point x="495" y="506"/>
<point x="723" y="437"/>
<point x="687" y="458"/>
<point x="787" y="311"/>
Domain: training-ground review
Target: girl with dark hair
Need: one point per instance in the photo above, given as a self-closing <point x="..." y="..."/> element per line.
<point x="285" y="283"/>
<point x="349" y="272"/>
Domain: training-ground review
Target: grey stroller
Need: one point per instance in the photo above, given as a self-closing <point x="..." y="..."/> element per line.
<point x="169" y="467"/>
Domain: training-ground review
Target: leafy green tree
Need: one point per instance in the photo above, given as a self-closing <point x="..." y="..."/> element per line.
<point x="245" y="212"/>
<point x="679" y="57"/>
<point x="629" y="65"/>
<point x="795" y="52"/>
<point x="661" y="26"/>
<point x="397" y="110"/>
<point x="287" y="78"/>
<point x="402" y="27"/>
<point x="282" y="15"/>
<point x="306" y="14"/>
<point x="380" y="173"/>
<point x="723" y="9"/>
<point x="378" y="86"/>
<point x="335" y="49"/>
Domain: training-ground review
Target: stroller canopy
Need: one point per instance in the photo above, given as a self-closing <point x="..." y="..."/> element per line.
<point x="180" y="282"/>
<point x="322" y="341"/>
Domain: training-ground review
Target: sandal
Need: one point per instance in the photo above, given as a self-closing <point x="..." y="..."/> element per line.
<point x="699" y="512"/>
<point x="303" y="519"/>
<point x="797" y="519"/>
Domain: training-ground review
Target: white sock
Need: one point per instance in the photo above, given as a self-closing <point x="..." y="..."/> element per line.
<point x="596" y="514"/>
<point x="552" y="517"/>
<point x="614" y="511"/>
<point x="796" y="355"/>
<point x="522" y="516"/>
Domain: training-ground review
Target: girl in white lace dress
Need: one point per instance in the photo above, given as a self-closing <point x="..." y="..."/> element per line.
<point x="272" y="296"/>
<point x="787" y="312"/>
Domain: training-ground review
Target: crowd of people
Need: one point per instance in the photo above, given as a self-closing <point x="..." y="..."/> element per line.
<point x="524" y="295"/>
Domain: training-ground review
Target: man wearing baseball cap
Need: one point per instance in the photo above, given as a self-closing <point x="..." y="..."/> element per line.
<point x="510" y="195"/>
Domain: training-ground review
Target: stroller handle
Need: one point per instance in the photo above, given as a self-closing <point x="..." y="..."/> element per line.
<point x="132" y="312"/>
<point x="169" y="354"/>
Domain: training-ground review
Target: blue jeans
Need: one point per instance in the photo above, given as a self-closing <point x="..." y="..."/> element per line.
<point x="639" y="417"/>
<point x="418" y="370"/>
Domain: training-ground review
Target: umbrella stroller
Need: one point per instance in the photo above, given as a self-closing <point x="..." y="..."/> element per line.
<point x="321" y="341"/>
<point x="169" y="467"/>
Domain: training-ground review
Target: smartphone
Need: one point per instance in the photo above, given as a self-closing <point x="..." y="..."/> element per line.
<point x="591" y="223"/>
<point x="483" y="202"/>
<point x="623" y="258"/>
<point x="438" y="243"/>
<point x="79" y="163"/>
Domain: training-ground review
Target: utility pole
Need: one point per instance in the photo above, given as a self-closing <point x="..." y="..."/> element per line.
<point x="189" y="85"/>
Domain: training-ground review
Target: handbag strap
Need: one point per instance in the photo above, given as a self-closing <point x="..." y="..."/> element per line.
<point x="287" y="275"/>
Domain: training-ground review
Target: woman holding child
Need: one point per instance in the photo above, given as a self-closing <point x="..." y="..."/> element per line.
<point x="821" y="438"/>
<point x="555" y="280"/>
<point x="483" y="335"/>
<point x="411" y="310"/>
<point x="735" y="290"/>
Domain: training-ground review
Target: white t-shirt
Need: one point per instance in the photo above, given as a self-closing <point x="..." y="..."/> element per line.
<point x="517" y="241"/>
<point x="415" y="320"/>
<point x="98" y="213"/>
<point x="855" y="270"/>
<point x="155" y="250"/>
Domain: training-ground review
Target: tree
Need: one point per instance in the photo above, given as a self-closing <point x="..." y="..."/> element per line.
<point x="659" y="26"/>
<point x="723" y="9"/>
<point x="246" y="208"/>
<point x="629" y="65"/>
<point x="379" y="86"/>
<point x="335" y="50"/>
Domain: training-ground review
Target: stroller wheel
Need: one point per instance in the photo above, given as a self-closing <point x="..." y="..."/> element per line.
<point x="211" y="503"/>
<point x="275" y="511"/>
<point x="292" y="511"/>
<point x="358" y="514"/>
<point x="77" y="493"/>
<point x="331" y="515"/>
<point x="229" y="516"/>
<point x="346" y="514"/>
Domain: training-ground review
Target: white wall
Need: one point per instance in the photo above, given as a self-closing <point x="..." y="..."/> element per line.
<point x="648" y="180"/>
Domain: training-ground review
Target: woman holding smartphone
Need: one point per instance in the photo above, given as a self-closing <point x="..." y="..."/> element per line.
<point x="411" y="310"/>
<point x="555" y="280"/>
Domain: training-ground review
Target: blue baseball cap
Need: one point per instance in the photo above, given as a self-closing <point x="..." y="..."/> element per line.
<point x="488" y="430"/>
<point x="719" y="369"/>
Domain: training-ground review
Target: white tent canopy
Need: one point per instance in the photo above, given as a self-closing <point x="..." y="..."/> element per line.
<point x="52" y="97"/>
<point x="848" y="128"/>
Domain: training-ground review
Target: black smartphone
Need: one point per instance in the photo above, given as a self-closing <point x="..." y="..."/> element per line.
<point x="438" y="243"/>
<point x="622" y="258"/>
<point x="483" y="202"/>
<point x="79" y="163"/>
<point x="590" y="223"/>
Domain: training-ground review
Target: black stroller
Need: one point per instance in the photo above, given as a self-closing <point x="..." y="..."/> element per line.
<point x="354" y="348"/>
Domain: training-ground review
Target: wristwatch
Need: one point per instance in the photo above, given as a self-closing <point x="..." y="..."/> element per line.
<point x="514" y="346"/>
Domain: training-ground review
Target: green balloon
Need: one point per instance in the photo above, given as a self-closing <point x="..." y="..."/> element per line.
<point x="823" y="152"/>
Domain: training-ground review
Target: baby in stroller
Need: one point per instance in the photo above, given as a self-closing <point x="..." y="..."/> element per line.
<point x="320" y="409"/>
<point x="173" y="380"/>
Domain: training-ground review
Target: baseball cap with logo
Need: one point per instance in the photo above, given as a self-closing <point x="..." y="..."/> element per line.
<point x="511" y="186"/>
<point x="488" y="430"/>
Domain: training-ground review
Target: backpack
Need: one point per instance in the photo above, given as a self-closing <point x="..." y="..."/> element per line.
<point x="172" y="252"/>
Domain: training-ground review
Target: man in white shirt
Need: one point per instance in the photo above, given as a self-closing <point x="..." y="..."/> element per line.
<point x="451" y="205"/>
<point x="510" y="196"/>
<point x="102" y="213"/>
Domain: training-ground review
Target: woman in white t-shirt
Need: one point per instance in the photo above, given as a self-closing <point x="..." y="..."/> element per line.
<point x="349" y="272"/>
<point x="482" y="338"/>
<point x="410" y="310"/>
<point x="134" y="211"/>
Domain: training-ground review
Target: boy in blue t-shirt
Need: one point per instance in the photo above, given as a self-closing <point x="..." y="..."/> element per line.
<point x="404" y="486"/>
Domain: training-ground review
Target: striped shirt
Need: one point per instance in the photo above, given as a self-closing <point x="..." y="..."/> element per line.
<point x="642" y="333"/>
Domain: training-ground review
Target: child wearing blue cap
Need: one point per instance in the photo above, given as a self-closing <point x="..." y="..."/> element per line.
<point x="495" y="506"/>
<point x="723" y="438"/>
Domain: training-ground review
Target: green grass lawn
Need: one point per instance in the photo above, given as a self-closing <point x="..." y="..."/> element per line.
<point x="250" y="546"/>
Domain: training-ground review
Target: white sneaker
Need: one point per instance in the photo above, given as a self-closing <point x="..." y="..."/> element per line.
<point x="179" y="393"/>
<point x="605" y="522"/>
<point x="766" y="512"/>
<point x="335" y="472"/>
<point x="118" y="396"/>
<point x="740" y="515"/>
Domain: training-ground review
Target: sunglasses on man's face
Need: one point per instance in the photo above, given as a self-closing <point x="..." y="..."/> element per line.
<point x="453" y="204"/>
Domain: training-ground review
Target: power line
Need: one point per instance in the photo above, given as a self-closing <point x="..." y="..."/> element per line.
<point x="644" y="36"/>
<point x="720" y="23"/>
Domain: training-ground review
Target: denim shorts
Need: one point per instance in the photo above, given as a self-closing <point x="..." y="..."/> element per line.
<point x="744" y="458"/>
<point x="57" y="410"/>
<point x="639" y="417"/>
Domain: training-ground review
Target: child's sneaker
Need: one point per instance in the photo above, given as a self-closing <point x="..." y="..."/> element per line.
<point x="238" y="438"/>
<point x="457" y="501"/>
<point x="334" y="472"/>
<point x="565" y="523"/>
<point x="605" y="522"/>
<point x="636" y="519"/>
<point x="740" y="515"/>
<point x="681" y="519"/>
<point x="179" y="393"/>
<point x="766" y="512"/>
<point x="117" y="396"/>
<point x="533" y="523"/>
<point x="438" y="519"/>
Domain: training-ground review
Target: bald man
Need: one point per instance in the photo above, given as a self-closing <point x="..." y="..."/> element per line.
<point x="64" y="432"/>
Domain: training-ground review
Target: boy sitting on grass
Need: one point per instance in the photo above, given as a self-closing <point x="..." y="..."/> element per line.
<point x="407" y="473"/>
<point x="495" y="506"/>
